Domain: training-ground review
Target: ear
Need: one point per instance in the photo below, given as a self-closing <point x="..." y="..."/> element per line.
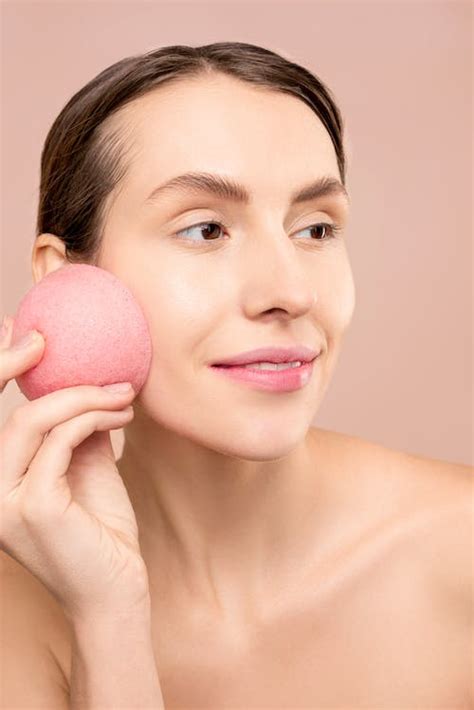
<point x="49" y="254"/>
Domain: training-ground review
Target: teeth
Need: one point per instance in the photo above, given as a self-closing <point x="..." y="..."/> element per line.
<point x="272" y="365"/>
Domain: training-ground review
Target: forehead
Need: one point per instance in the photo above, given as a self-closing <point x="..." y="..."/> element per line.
<point x="266" y="138"/>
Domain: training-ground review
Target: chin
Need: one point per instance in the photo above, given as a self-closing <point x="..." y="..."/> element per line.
<point x="257" y="445"/>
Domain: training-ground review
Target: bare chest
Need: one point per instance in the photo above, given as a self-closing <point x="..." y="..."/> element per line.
<point x="379" y="636"/>
<point x="373" y="628"/>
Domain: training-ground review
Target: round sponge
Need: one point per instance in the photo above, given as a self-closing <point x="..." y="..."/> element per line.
<point x="94" y="329"/>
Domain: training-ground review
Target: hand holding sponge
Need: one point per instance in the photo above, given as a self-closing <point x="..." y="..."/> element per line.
<point x="95" y="331"/>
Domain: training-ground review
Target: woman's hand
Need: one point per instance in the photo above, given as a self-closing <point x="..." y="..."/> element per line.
<point x="66" y="515"/>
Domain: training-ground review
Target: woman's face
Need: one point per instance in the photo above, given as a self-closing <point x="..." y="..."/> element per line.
<point x="211" y="292"/>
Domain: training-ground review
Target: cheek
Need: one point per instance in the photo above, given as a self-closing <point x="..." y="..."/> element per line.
<point x="181" y="310"/>
<point x="346" y="302"/>
<point x="336" y="297"/>
<point x="185" y="298"/>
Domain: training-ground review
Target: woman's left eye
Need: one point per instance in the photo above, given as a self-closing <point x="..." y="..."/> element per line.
<point x="330" y="230"/>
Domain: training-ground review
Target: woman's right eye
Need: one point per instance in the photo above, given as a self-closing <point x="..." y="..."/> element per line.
<point x="199" y="225"/>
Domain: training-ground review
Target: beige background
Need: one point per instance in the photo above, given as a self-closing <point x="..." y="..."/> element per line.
<point x="401" y="73"/>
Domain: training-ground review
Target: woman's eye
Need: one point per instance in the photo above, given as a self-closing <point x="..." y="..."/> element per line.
<point x="199" y="226"/>
<point x="329" y="231"/>
<point x="323" y="231"/>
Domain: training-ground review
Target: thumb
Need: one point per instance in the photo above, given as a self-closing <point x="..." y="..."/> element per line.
<point x="18" y="357"/>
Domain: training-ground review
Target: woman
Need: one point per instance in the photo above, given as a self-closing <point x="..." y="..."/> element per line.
<point x="286" y="566"/>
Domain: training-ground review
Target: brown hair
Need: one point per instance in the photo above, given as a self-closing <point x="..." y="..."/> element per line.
<point x="84" y="158"/>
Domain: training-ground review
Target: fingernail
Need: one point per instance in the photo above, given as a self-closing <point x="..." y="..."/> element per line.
<point x="119" y="387"/>
<point x="26" y="340"/>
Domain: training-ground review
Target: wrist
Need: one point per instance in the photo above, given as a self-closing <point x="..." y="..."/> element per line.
<point x="137" y="613"/>
<point x="113" y="661"/>
<point x="113" y="629"/>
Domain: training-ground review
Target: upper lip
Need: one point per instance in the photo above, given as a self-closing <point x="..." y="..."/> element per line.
<point x="272" y="354"/>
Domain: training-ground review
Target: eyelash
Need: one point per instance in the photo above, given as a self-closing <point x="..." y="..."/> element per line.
<point x="331" y="228"/>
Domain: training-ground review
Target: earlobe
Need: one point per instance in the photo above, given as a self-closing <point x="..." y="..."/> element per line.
<point x="49" y="254"/>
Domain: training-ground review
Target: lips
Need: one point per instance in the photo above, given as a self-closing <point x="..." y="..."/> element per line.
<point x="270" y="354"/>
<point x="288" y="379"/>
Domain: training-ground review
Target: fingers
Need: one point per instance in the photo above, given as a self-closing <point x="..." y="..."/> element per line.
<point x="45" y="487"/>
<point x="25" y="429"/>
<point x="32" y="424"/>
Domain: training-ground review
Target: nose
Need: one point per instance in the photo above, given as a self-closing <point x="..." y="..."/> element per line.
<point x="278" y="278"/>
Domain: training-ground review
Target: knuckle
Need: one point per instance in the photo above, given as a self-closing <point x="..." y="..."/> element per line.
<point x="68" y="429"/>
<point x="20" y="412"/>
<point x="59" y="431"/>
<point x="19" y="415"/>
<point x="23" y="418"/>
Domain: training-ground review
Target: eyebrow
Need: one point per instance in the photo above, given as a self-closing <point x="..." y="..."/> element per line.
<point x="227" y="188"/>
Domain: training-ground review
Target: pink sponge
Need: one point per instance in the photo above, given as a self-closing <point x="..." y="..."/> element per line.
<point x="95" y="331"/>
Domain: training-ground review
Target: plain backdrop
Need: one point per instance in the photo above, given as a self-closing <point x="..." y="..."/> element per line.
<point x="401" y="73"/>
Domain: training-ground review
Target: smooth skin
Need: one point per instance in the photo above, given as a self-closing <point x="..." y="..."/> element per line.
<point x="289" y="566"/>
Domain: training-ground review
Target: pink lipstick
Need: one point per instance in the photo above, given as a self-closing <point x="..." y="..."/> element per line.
<point x="282" y="380"/>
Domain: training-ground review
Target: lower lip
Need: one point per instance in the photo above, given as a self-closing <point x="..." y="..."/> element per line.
<point x="292" y="378"/>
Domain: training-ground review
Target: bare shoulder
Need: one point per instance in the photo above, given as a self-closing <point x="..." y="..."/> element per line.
<point x="18" y="583"/>
<point x="426" y="507"/>
<point x="31" y="612"/>
<point x="430" y="497"/>
<point x="449" y="487"/>
<point x="419" y="478"/>
<point x="443" y="549"/>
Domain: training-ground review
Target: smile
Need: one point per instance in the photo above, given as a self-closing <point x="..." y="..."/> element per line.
<point x="281" y="377"/>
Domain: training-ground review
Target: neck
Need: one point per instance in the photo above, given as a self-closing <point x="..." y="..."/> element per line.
<point x="223" y="531"/>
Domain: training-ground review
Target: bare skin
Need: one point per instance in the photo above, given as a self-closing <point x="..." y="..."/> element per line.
<point x="381" y="619"/>
<point x="288" y="568"/>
